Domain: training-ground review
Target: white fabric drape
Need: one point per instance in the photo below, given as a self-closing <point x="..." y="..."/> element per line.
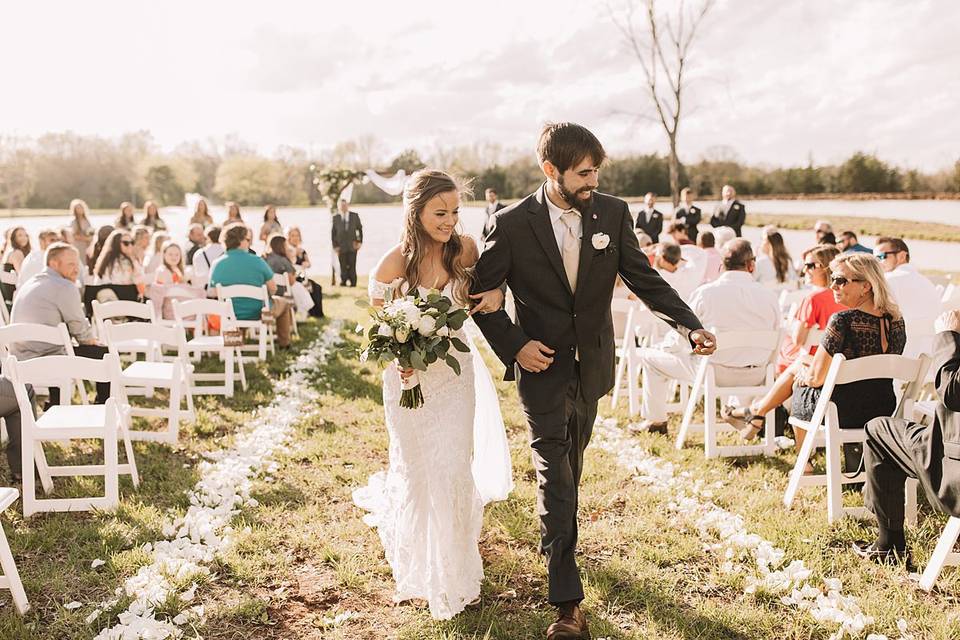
<point x="392" y="185"/>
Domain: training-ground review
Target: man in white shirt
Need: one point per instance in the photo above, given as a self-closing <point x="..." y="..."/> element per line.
<point x="733" y="302"/>
<point x="204" y="258"/>
<point x="33" y="263"/>
<point x="917" y="297"/>
<point x="681" y="274"/>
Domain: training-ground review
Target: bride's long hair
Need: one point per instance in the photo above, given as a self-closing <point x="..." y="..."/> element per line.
<point x="420" y="188"/>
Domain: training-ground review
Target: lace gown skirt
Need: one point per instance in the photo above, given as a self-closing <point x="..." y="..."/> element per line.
<point x="426" y="507"/>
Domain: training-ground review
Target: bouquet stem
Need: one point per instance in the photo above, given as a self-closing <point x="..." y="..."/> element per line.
<point x="411" y="396"/>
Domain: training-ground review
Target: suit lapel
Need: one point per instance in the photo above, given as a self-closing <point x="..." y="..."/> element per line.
<point x="543" y="230"/>
<point x="588" y="226"/>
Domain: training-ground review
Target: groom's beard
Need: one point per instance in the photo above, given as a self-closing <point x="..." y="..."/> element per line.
<point x="573" y="199"/>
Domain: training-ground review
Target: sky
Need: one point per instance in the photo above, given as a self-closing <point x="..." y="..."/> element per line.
<point x="774" y="83"/>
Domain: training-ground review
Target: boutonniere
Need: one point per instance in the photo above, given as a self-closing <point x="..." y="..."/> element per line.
<point x="600" y="241"/>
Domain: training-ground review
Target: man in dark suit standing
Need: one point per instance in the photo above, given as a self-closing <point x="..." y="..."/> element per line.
<point x="730" y="212"/>
<point x="649" y="220"/>
<point x="688" y="213"/>
<point x="897" y="449"/>
<point x="493" y="205"/>
<point x="560" y="250"/>
<point x="347" y="236"/>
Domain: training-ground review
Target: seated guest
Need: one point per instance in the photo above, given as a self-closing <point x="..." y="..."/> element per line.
<point x="815" y="309"/>
<point x="774" y="265"/>
<point x="733" y="302"/>
<point x="827" y="238"/>
<point x="10" y="412"/>
<point x="16" y="248"/>
<point x="871" y="325"/>
<point x="917" y="297"/>
<point x="683" y="275"/>
<point x="95" y="249"/>
<point x="820" y="229"/>
<point x="151" y="217"/>
<point x="239" y="266"/>
<point x="171" y="269"/>
<point x="125" y="218"/>
<point x="298" y="255"/>
<point x="155" y="259"/>
<point x="196" y="241"/>
<point x="52" y="297"/>
<point x="706" y="242"/>
<point x="141" y="243"/>
<point x="723" y="235"/>
<point x="678" y="231"/>
<point x="279" y="262"/>
<point x="116" y="264"/>
<point x="897" y="449"/>
<point x="33" y="263"/>
<point x="204" y="258"/>
<point x="848" y="242"/>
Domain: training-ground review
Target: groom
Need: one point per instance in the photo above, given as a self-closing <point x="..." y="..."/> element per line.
<point x="560" y="250"/>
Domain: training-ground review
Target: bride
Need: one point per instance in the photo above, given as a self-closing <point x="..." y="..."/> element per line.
<point x="449" y="457"/>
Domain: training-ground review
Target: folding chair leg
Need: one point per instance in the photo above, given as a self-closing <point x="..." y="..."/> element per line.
<point x="834" y="473"/>
<point x="618" y="379"/>
<point x="941" y="553"/>
<point x="796" y="475"/>
<point x="692" y="400"/>
<point x="633" y="376"/>
<point x="228" y="356"/>
<point x="11" y="576"/>
<point x="243" y="375"/>
<point x="43" y="469"/>
<point x="710" y="420"/>
<point x="131" y="460"/>
<point x="111" y="463"/>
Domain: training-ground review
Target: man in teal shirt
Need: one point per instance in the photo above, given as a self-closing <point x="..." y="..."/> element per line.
<point x="239" y="266"/>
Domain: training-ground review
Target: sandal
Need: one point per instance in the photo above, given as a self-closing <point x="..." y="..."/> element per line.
<point x="745" y="421"/>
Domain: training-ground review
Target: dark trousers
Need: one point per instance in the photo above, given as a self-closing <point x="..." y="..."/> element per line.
<point x="348" y="268"/>
<point x="10" y="412"/>
<point x="558" y="439"/>
<point x="888" y="464"/>
<point x="94" y="352"/>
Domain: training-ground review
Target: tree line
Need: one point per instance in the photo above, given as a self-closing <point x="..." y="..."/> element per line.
<point x="49" y="171"/>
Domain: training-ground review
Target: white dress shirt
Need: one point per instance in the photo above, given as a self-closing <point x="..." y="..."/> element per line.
<point x="204" y="258"/>
<point x="31" y="266"/>
<point x="559" y="228"/>
<point x="919" y="303"/>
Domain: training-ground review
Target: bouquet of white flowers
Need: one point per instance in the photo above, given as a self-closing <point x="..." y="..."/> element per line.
<point x="416" y="332"/>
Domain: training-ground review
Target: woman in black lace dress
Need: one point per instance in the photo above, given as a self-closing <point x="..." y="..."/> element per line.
<point x="871" y="326"/>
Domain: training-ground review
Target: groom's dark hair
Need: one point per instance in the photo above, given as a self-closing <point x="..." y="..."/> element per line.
<point x="564" y="144"/>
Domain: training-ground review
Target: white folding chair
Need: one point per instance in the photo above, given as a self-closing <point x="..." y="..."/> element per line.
<point x="283" y="282"/>
<point x="193" y="314"/>
<point x="107" y="422"/>
<point x="623" y="311"/>
<point x="789" y="297"/>
<point x="10" y="278"/>
<point x="143" y="375"/>
<point x="943" y="555"/>
<point x="118" y="309"/>
<point x="824" y="428"/>
<point x="261" y="331"/>
<point x="11" y="576"/>
<point x="705" y="382"/>
<point x="56" y="336"/>
<point x="951" y="298"/>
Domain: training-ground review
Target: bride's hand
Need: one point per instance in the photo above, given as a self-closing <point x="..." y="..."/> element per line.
<point x="487" y="301"/>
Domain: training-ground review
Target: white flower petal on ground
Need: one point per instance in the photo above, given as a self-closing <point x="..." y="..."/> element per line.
<point x="97" y="563"/>
<point x="73" y="605"/>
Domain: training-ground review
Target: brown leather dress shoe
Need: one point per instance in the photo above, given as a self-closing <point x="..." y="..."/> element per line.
<point x="571" y="624"/>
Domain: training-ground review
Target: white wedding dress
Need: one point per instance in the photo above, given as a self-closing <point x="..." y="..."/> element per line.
<point x="447" y="459"/>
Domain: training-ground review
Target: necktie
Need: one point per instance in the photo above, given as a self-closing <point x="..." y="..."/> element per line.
<point x="571" y="247"/>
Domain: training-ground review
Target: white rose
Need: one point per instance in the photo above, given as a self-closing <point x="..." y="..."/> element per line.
<point x="402" y="334"/>
<point x="384" y="330"/>
<point x="426" y="326"/>
<point x="600" y="241"/>
<point x="443" y="332"/>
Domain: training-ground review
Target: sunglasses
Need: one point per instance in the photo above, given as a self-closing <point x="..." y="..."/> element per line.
<point x="882" y="255"/>
<point x="127" y="243"/>
<point x="809" y="266"/>
<point x="839" y="281"/>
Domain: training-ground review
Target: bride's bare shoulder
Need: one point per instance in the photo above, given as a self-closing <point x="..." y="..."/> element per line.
<point x="470" y="253"/>
<point x="391" y="266"/>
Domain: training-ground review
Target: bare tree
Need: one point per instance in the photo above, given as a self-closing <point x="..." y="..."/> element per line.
<point x="662" y="44"/>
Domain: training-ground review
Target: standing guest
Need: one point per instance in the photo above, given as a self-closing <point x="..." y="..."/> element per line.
<point x="688" y="213"/>
<point x="141" y="243"/>
<point x="171" y="268"/>
<point x="233" y="213"/>
<point x="81" y="229"/>
<point x="280" y="263"/>
<point x="116" y="264"/>
<point x="897" y="449"/>
<point x="730" y="212"/>
<point x="347" y="236"/>
<point x="93" y="253"/>
<point x="151" y="217"/>
<point x="155" y="258"/>
<point x="917" y="297"/>
<point x="201" y="214"/>
<point x="714" y="260"/>
<point x="196" y="241"/>
<point x="678" y="233"/>
<point x="125" y="218"/>
<point x="849" y="242"/>
<point x="493" y="205"/>
<point x="774" y="265"/>
<point x="733" y="302"/>
<point x="204" y="258"/>
<point x="52" y="297"/>
<point x="271" y="224"/>
<point x="16" y="247"/>
<point x="298" y="255"/>
<point x="239" y="266"/>
<point x="33" y="263"/>
<point x="816" y="307"/>
<point x="649" y="220"/>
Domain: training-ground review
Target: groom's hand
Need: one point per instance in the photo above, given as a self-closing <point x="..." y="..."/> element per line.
<point x="535" y="356"/>
<point x="704" y="342"/>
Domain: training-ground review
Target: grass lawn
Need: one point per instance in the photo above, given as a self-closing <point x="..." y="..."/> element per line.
<point x="309" y="558"/>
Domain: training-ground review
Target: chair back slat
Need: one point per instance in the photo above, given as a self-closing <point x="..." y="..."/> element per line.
<point x="122" y="309"/>
<point x="156" y="335"/>
<point x="41" y="370"/>
<point x="228" y="292"/>
<point x="886" y="365"/>
<point x="767" y="340"/>
<point x="33" y="332"/>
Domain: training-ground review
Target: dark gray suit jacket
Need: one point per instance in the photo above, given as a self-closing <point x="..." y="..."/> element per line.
<point x="936" y="449"/>
<point x="522" y="251"/>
